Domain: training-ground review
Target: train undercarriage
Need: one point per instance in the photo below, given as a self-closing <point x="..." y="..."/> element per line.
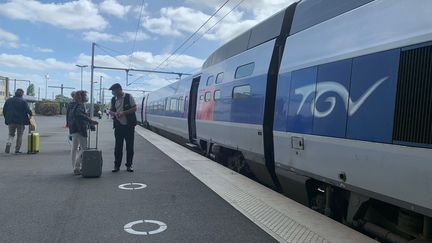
<point x="377" y="219"/>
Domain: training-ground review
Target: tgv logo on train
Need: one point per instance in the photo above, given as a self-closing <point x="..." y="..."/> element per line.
<point x="324" y="87"/>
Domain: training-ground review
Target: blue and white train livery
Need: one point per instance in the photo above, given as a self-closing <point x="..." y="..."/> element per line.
<point x="328" y="102"/>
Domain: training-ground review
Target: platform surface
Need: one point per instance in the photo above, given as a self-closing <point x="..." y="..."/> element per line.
<point x="41" y="201"/>
<point x="281" y="217"/>
<point x="192" y="198"/>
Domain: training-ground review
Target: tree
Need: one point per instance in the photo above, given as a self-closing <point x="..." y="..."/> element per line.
<point x="31" y="90"/>
<point x="61" y="98"/>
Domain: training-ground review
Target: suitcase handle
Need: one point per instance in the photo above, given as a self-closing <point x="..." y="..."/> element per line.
<point x="97" y="137"/>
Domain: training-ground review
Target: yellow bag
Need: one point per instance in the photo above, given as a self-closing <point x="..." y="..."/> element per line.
<point x="33" y="143"/>
<point x="32" y="126"/>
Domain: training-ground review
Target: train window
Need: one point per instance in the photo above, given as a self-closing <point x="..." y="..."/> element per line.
<point x="219" y="78"/>
<point x="186" y="103"/>
<point x="207" y="96"/>
<point x="167" y="104"/>
<point x="181" y="104"/>
<point x="245" y="70"/>
<point x="210" y="80"/>
<point x="173" y="104"/>
<point x="241" y="91"/>
<point x="216" y="95"/>
<point x="161" y="106"/>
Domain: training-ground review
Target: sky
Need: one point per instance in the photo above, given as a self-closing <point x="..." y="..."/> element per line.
<point x="48" y="38"/>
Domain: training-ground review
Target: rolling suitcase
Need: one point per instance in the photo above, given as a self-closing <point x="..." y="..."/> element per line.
<point x="33" y="143"/>
<point x="92" y="159"/>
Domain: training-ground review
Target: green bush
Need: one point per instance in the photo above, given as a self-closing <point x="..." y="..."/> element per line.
<point x="47" y="108"/>
<point x="97" y="107"/>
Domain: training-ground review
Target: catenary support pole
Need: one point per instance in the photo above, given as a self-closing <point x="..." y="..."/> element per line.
<point x="91" y="82"/>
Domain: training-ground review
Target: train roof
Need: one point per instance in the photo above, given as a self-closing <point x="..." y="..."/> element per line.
<point x="262" y="32"/>
<point x="307" y="14"/>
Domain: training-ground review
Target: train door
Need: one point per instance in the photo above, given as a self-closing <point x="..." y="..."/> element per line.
<point x="144" y="110"/>
<point x="192" y="108"/>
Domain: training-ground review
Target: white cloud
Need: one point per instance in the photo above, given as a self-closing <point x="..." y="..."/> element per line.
<point x="261" y="9"/>
<point x="45" y="50"/>
<point x="94" y="36"/>
<point x="130" y="36"/>
<point x="142" y="60"/>
<point x="8" y="36"/>
<point x="175" y="21"/>
<point x="183" y="20"/>
<point x="114" y="8"/>
<point x="8" y="39"/>
<point x="76" y="76"/>
<point x="74" y="15"/>
<point x="20" y="61"/>
<point x="151" y="82"/>
<point x="137" y="10"/>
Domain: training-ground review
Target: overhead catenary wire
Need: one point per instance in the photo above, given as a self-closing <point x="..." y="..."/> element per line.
<point x="113" y="56"/>
<point x="110" y="49"/>
<point x="189" y="38"/>
<point x="136" y="33"/>
<point x="193" y="34"/>
<point x="238" y="4"/>
<point x="208" y="30"/>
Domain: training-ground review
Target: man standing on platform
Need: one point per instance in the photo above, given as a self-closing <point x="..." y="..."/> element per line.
<point x="17" y="114"/>
<point x="123" y="108"/>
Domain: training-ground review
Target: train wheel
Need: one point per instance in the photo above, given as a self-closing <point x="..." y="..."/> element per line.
<point x="237" y="163"/>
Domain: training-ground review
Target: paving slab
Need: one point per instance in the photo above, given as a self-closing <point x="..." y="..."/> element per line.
<point x="41" y="201"/>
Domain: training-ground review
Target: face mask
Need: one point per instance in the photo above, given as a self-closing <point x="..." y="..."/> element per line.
<point x="86" y="99"/>
<point x="113" y="93"/>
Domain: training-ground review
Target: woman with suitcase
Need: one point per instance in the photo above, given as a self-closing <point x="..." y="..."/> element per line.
<point x="78" y="122"/>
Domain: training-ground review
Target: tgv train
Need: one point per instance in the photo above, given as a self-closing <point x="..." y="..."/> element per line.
<point x="328" y="102"/>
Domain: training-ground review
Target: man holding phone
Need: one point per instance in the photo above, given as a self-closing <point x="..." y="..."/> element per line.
<point x="123" y="108"/>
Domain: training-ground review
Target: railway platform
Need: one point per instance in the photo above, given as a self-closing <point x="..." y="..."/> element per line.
<point x="174" y="195"/>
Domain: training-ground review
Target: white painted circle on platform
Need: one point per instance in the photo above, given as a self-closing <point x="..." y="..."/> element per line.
<point x="162" y="227"/>
<point x="132" y="186"/>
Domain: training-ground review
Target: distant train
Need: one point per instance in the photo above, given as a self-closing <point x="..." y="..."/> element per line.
<point x="328" y="102"/>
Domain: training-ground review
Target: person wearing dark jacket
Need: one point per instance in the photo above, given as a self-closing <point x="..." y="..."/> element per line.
<point x="17" y="114"/>
<point x="78" y="122"/>
<point x="123" y="110"/>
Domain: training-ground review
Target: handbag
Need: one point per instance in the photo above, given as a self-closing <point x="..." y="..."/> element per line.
<point x="32" y="125"/>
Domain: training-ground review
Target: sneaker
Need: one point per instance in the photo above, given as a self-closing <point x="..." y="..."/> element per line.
<point x="116" y="169"/>
<point x="77" y="172"/>
<point x="130" y="169"/>
<point x="18" y="152"/>
<point x="8" y="147"/>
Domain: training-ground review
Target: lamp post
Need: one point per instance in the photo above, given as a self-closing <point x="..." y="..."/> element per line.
<point x="46" y="86"/>
<point x="91" y="81"/>
<point x="100" y="90"/>
<point x="81" y="66"/>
